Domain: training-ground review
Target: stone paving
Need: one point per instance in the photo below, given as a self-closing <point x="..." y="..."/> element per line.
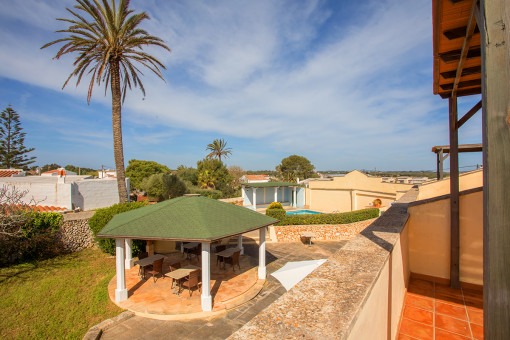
<point x="222" y="326"/>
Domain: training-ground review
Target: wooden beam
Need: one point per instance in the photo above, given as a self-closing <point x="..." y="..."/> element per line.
<point x="452" y="56"/>
<point x="459" y="32"/>
<point x="467" y="83"/>
<point x="465" y="47"/>
<point x="463" y="92"/>
<point x="469" y="114"/>
<point x="465" y="72"/>
<point x="495" y="43"/>
<point x="436" y="31"/>
<point x="454" y="196"/>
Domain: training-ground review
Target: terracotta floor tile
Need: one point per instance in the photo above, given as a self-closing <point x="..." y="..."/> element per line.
<point x="416" y="330"/>
<point x="453" y="325"/>
<point x="419" y="315"/>
<point x="419" y="301"/>
<point x="447" y="298"/>
<point x="451" y="310"/>
<point x="475" y="316"/>
<point x="477" y="331"/>
<point x="445" y="335"/>
<point x="405" y="337"/>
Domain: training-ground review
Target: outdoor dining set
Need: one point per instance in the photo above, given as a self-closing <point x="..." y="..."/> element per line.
<point x="188" y="276"/>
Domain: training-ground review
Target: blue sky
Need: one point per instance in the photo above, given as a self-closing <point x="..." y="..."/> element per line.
<point x="346" y="84"/>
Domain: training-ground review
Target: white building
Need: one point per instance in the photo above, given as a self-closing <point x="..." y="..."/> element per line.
<point x="254" y="179"/>
<point x="69" y="192"/>
<point x="59" y="172"/>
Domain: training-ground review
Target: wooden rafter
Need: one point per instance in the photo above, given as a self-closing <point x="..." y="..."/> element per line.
<point x="465" y="47"/>
<point x="469" y="114"/>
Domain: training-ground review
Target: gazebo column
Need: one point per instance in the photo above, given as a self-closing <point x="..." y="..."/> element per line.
<point x="294" y="197"/>
<point x="240" y="243"/>
<point x="121" y="293"/>
<point x="206" y="277"/>
<point x="254" y="198"/>
<point x="276" y="194"/>
<point x="283" y="194"/>
<point x="129" y="253"/>
<point x="149" y="248"/>
<point x="262" y="253"/>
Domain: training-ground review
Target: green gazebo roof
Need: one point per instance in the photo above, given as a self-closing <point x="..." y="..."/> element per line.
<point x="270" y="184"/>
<point x="192" y="218"/>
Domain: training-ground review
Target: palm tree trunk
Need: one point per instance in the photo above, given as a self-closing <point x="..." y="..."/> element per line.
<point x="117" y="131"/>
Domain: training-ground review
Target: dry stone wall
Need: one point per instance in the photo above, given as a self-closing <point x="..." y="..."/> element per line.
<point x="292" y="233"/>
<point x="75" y="234"/>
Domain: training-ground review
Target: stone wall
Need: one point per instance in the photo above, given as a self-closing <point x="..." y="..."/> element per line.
<point x="292" y="233"/>
<point x="75" y="234"/>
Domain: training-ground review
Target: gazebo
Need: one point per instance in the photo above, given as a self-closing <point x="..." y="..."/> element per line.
<point x="271" y="192"/>
<point x="188" y="218"/>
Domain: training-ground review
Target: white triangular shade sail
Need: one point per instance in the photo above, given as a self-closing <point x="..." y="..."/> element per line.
<point x="293" y="272"/>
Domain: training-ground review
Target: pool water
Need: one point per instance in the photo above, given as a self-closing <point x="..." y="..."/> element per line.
<point x="302" y="212"/>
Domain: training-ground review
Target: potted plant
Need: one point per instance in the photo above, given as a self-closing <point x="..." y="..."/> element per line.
<point x="377" y="203"/>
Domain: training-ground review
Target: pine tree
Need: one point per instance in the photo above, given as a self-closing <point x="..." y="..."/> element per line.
<point x="13" y="154"/>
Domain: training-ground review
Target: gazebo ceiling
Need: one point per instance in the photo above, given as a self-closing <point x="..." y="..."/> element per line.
<point x="457" y="57"/>
<point x="185" y="218"/>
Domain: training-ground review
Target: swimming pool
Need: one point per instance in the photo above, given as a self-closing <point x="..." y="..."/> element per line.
<point x="302" y="212"/>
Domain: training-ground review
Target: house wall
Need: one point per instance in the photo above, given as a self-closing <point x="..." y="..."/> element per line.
<point x="43" y="193"/>
<point x="95" y="194"/>
<point x="429" y="238"/>
<point x="353" y="191"/>
<point x="468" y="180"/>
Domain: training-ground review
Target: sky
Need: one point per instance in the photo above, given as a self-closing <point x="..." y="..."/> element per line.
<point x="346" y="84"/>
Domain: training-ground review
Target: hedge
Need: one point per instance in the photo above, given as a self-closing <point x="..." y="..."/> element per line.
<point x="275" y="205"/>
<point x="279" y="214"/>
<point x="103" y="216"/>
<point x="341" y="218"/>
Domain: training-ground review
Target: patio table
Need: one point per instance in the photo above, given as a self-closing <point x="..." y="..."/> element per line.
<point x="308" y="235"/>
<point x="179" y="274"/>
<point x="147" y="262"/>
<point x="188" y="246"/>
<point x="229" y="252"/>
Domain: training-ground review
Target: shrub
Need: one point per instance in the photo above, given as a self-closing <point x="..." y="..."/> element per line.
<point x="275" y="205"/>
<point x="36" y="241"/>
<point x="101" y="219"/>
<point x="279" y="214"/>
<point x="163" y="186"/>
<point x="341" y="218"/>
<point x="214" y="194"/>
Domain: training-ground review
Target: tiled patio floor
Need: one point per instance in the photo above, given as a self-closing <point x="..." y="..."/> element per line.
<point x="157" y="298"/>
<point x="434" y="311"/>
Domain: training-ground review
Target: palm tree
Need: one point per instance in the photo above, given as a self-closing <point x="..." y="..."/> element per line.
<point x="207" y="180"/>
<point x="218" y="148"/>
<point x="107" y="44"/>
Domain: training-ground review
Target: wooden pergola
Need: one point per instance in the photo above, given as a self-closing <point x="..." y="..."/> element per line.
<point x="472" y="57"/>
<point x="443" y="151"/>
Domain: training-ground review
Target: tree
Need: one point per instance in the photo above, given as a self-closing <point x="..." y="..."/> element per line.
<point x="138" y="170"/>
<point x="107" y="44"/>
<point x="163" y="186"/>
<point x="236" y="172"/>
<point x="80" y="170"/>
<point x="294" y="167"/>
<point x="13" y="153"/>
<point x="15" y="213"/>
<point x="188" y="175"/>
<point x="49" y="167"/>
<point x="218" y="148"/>
<point x="212" y="173"/>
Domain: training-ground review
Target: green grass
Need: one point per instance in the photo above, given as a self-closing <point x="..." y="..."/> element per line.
<point x="60" y="298"/>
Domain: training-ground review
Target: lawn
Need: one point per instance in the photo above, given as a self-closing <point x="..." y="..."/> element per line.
<point x="60" y="298"/>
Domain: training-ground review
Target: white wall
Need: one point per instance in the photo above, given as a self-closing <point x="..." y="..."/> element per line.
<point x="43" y="193"/>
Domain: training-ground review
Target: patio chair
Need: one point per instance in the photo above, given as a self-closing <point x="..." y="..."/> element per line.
<point x="219" y="248"/>
<point x="141" y="256"/>
<point x="234" y="260"/>
<point x="157" y="269"/>
<point x="192" y="280"/>
<point x="174" y="266"/>
<point x="197" y="251"/>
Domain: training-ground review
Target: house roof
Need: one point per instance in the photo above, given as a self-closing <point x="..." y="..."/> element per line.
<point x="457" y="53"/>
<point x="192" y="218"/>
<point x="9" y="172"/>
<point x="256" y="177"/>
<point x="270" y="184"/>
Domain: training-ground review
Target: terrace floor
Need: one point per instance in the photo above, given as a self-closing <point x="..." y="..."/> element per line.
<point x="435" y="311"/>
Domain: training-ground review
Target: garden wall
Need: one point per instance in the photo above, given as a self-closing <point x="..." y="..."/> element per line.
<point x="292" y="233"/>
<point x="75" y="234"/>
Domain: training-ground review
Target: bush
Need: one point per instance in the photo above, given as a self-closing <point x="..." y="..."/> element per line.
<point x="101" y="219"/>
<point x="36" y="243"/>
<point x="279" y="214"/>
<point x="341" y="218"/>
<point x="275" y="205"/>
<point x="163" y="186"/>
<point x="214" y="194"/>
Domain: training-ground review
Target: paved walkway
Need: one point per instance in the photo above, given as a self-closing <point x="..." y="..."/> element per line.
<point x="221" y="327"/>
